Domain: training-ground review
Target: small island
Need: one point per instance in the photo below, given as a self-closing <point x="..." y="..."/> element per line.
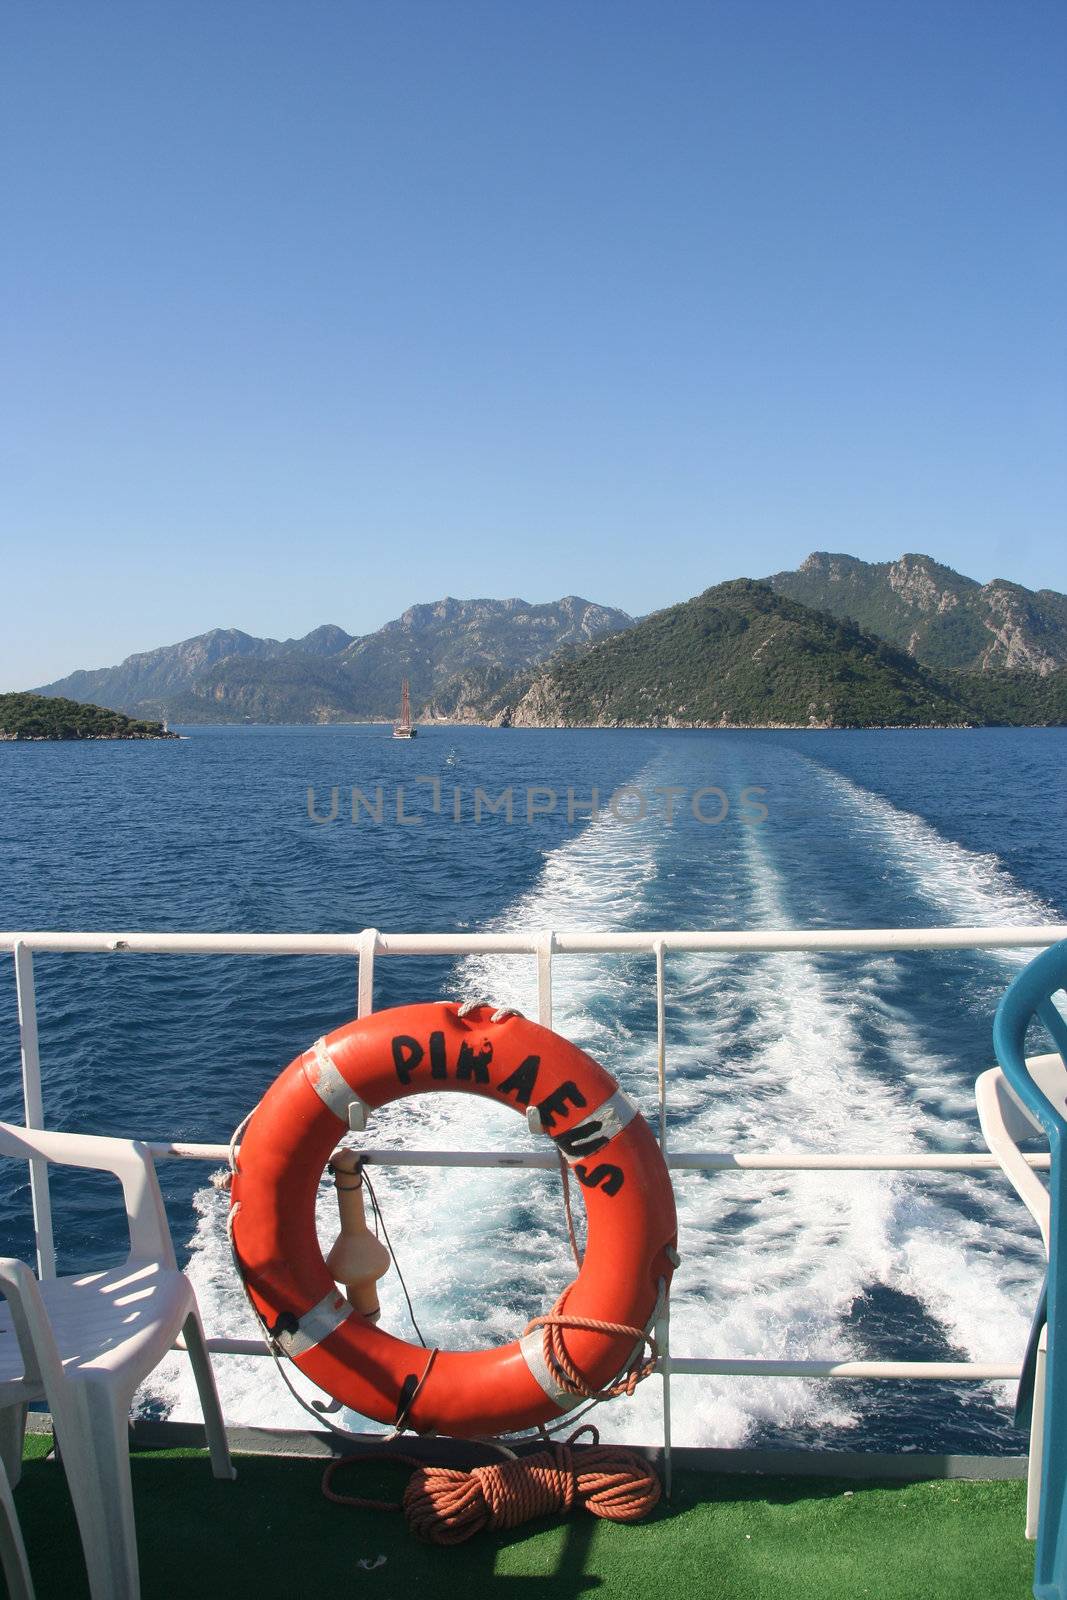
<point x="38" y="716"/>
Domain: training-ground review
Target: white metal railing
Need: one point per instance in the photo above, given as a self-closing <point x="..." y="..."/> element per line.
<point x="544" y="945"/>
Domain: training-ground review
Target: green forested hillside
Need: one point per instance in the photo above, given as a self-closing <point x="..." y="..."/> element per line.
<point x="35" y="716"/>
<point x="1013" y="699"/>
<point x="742" y="655"/>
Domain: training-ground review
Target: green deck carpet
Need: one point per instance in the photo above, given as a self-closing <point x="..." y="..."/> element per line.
<point x="271" y="1535"/>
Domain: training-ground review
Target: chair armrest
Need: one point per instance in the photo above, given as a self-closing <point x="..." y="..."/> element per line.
<point x="130" y="1162"/>
<point x="41" y="1363"/>
<point x="1001" y="1114"/>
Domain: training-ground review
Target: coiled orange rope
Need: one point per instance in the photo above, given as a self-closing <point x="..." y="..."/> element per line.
<point x="445" y="1506"/>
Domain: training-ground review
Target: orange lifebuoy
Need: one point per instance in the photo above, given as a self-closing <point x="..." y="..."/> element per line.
<point x="632" y="1227"/>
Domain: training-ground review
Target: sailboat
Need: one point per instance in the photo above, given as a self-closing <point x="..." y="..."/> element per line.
<point x="405" y="728"/>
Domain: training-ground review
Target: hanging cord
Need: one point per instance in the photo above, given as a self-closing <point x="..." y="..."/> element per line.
<point x="565" y="1178"/>
<point x="320" y="1409"/>
<point x="379" y="1222"/>
<point x="314" y="1408"/>
<point x="445" y="1506"/>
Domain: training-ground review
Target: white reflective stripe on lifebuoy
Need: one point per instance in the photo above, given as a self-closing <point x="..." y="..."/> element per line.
<point x="597" y="1129"/>
<point x="533" y="1353"/>
<point x="315" y="1325"/>
<point x="331" y="1087"/>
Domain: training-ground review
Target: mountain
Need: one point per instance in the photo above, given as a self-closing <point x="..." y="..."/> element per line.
<point x="748" y="653"/>
<point x="36" y="716"/>
<point x="329" y="640"/>
<point x="743" y="655"/>
<point x="291" y="687"/>
<point x="453" y="651"/>
<point x="143" y="683"/>
<point x="937" y="615"/>
<point x="454" y="648"/>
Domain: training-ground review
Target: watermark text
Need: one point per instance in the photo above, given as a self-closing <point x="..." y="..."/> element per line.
<point x="410" y="805"/>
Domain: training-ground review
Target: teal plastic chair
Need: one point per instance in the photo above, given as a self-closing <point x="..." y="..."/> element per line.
<point x="1029" y="1000"/>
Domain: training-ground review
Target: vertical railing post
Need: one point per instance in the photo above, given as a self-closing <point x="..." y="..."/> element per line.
<point x="546" y="943"/>
<point x="663" y="1350"/>
<point x="368" y="948"/>
<point x="663" y="1321"/>
<point x="661" y="1044"/>
<point x="33" y="1107"/>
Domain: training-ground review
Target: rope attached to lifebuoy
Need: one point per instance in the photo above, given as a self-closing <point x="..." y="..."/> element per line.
<point x="446" y="1506"/>
<point x="558" y="1358"/>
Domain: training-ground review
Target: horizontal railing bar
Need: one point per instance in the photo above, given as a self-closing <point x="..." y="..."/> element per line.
<point x="165" y="1150"/>
<point x="565" y="943"/>
<point x="948" y="1371"/>
<point x="232" y="1347"/>
<point x="737" y="1367"/>
<point x="677" y="1160"/>
<point x="860" y="1161"/>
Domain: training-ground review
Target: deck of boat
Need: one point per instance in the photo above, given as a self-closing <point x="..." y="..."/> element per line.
<point x="272" y="1535"/>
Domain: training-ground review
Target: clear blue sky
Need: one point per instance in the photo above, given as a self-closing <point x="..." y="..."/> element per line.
<point x="314" y="310"/>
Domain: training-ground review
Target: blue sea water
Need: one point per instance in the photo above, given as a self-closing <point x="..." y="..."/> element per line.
<point x="868" y="1052"/>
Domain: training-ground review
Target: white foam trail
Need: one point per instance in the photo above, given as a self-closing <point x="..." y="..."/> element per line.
<point x="976" y="1275"/>
<point x="973" y="888"/>
<point x="763" y="1052"/>
<point x="479" y="1249"/>
<point x="598" y="879"/>
<point x="779" y="1258"/>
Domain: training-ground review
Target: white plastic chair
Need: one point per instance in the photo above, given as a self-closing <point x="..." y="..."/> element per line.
<point x="13" y="1563"/>
<point x="1004" y="1121"/>
<point x="85" y="1343"/>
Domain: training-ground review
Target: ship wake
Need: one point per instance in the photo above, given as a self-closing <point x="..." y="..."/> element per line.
<point x="791" y="1052"/>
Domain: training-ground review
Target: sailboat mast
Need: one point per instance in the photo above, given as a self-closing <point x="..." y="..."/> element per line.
<point x="405" y="728"/>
